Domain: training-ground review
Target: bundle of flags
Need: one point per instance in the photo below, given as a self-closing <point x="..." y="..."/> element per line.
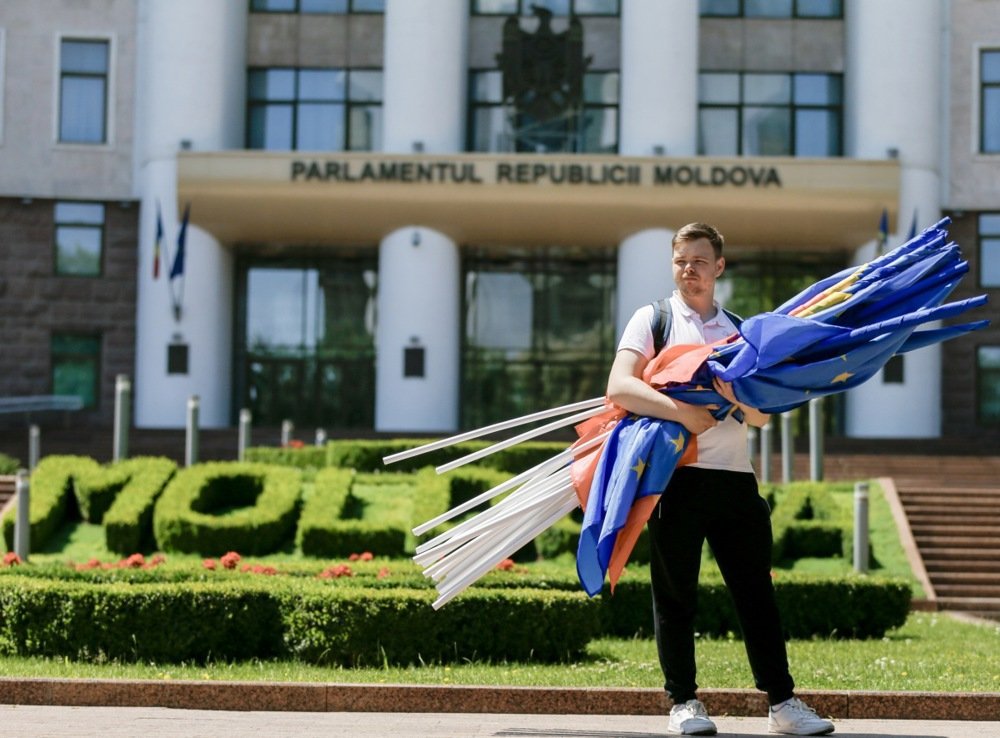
<point x="829" y="338"/>
<point x="177" y="266"/>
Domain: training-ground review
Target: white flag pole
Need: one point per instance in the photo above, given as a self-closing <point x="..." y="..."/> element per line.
<point x="486" y="430"/>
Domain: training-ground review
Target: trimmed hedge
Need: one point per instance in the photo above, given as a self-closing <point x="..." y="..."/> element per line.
<point x="302" y="457"/>
<point x="311" y="621"/>
<point x="128" y="523"/>
<point x="213" y="508"/>
<point x="8" y="465"/>
<point x="807" y="522"/>
<point x="52" y="500"/>
<point x="366" y="455"/>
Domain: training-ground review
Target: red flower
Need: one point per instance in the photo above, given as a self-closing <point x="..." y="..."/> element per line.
<point x="382" y="573"/>
<point x="336" y="572"/>
<point x="11" y="559"/>
<point x="230" y="560"/>
<point x="135" y="561"/>
<point x="506" y="565"/>
<point x="209" y="564"/>
<point x="367" y="556"/>
<point x="353" y="557"/>
<point x="295" y="443"/>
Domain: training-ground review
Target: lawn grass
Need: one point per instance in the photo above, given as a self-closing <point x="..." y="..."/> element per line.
<point x="931" y="652"/>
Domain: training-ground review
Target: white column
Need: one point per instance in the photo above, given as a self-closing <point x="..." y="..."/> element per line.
<point x="419" y="290"/>
<point x="418" y="307"/>
<point x="644" y="273"/>
<point x="425" y="75"/>
<point x="893" y="77"/>
<point x="659" y="77"/>
<point x="192" y="79"/>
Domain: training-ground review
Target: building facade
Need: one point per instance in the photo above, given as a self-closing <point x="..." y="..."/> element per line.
<point x="426" y="215"/>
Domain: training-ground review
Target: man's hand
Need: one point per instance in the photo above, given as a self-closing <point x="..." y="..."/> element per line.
<point x="696" y="418"/>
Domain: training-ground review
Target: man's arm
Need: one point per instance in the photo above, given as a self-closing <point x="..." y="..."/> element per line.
<point x="627" y="390"/>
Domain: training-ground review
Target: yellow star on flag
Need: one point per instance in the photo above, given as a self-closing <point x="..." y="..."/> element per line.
<point x="639" y="468"/>
<point x="842" y="377"/>
<point x="678" y="443"/>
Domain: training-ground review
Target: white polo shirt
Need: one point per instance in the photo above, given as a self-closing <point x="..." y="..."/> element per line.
<point x="725" y="445"/>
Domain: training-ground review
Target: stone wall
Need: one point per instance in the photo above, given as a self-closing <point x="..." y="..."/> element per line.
<point x="35" y="302"/>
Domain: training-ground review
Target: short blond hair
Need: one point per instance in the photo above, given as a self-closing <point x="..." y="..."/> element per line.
<point x="694" y="231"/>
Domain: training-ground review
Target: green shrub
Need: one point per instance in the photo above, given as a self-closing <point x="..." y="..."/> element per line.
<point x="128" y="524"/>
<point x="807" y="522"/>
<point x="8" y="465"/>
<point x="52" y="501"/>
<point x="242" y="617"/>
<point x="301" y="457"/>
<point x="213" y="508"/>
<point x="366" y="455"/>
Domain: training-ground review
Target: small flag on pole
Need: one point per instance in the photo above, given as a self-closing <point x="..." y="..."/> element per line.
<point x="177" y="270"/>
<point x="157" y="244"/>
<point x="883" y="231"/>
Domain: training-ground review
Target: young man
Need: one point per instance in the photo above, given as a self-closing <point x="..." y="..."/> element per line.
<point x="715" y="498"/>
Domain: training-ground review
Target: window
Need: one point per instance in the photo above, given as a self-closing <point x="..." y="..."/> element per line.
<point x="539" y="329"/>
<point x="318" y="6"/>
<point x="76" y="361"/>
<point x="497" y="126"/>
<point x="83" y="91"/>
<point x="893" y="371"/>
<point x="988" y="392"/>
<point x="79" y="233"/>
<point x="772" y="8"/>
<point x="989" y="250"/>
<point x="759" y="114"/>
<point x="315" y="109"/>
<point x="989" y="124"/>
<point x="556" y="7"/>
<point x="3" y="85"/>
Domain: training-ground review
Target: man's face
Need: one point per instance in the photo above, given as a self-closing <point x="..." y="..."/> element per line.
<point x="695" y="267"/>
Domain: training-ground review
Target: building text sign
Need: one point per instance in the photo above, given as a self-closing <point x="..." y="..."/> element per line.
<point x="554" y="173"/>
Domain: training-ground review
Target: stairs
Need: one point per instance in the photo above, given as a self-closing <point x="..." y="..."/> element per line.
<point x="952" y="504"/>
<point x="8" y="487"/>
<point x="957" y="530"/>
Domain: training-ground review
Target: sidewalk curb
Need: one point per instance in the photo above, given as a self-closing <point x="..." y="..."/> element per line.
<point x="332" y="697"/>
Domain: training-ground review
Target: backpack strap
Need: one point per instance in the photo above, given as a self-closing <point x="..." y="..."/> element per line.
<point x="663" y="318"/>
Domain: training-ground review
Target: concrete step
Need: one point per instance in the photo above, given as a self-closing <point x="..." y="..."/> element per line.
<point x="967" y="590"/>
<point x="967" y="577"/>
<point x="928" y="541"/>
<point x="952" y="566"/>
<point x="954" y="530"/>
<point x="981" y="512"/>
<point x="969" y="497"/>
<point x="970" y="604"/>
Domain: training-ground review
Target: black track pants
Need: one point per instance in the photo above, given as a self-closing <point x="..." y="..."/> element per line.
<point x="726" y="508"/>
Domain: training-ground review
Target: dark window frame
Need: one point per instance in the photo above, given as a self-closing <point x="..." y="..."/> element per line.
<point x="983" y="87"/>
<point x="980" y="383"/>
<point x="791" y="106"/>
<point x="298" y="10"/>
<point x="474" y="105"/>
<point x="795" y="14"/>
<point x="105" y="89"/>
<point x="57" y="224"/>
<point x="97" y="359"/>
<point x="524" y="10"/>
<point x="981" y="237"/>
<point x="295" y="102"/>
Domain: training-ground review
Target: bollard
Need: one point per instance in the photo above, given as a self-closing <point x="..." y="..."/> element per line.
<point x="22" y="524"/>
<point x="861" y="527"/>
<point x="787" y="454"/>
<point x="765" y="453"/>
<point x="243" y="439"/>
<point x="34" y="446"/>
<point x="123" y="411"/>
<point x="751" y="443"/>
<point x="287" y="428"/>
<point x="816" y="440"/>
<point x="191" y="434"/>
<point x="320" y="436"/>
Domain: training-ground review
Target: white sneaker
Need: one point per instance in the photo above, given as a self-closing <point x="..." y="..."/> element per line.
<point x="795" y="717"/>
<point x="690" y="719"/>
